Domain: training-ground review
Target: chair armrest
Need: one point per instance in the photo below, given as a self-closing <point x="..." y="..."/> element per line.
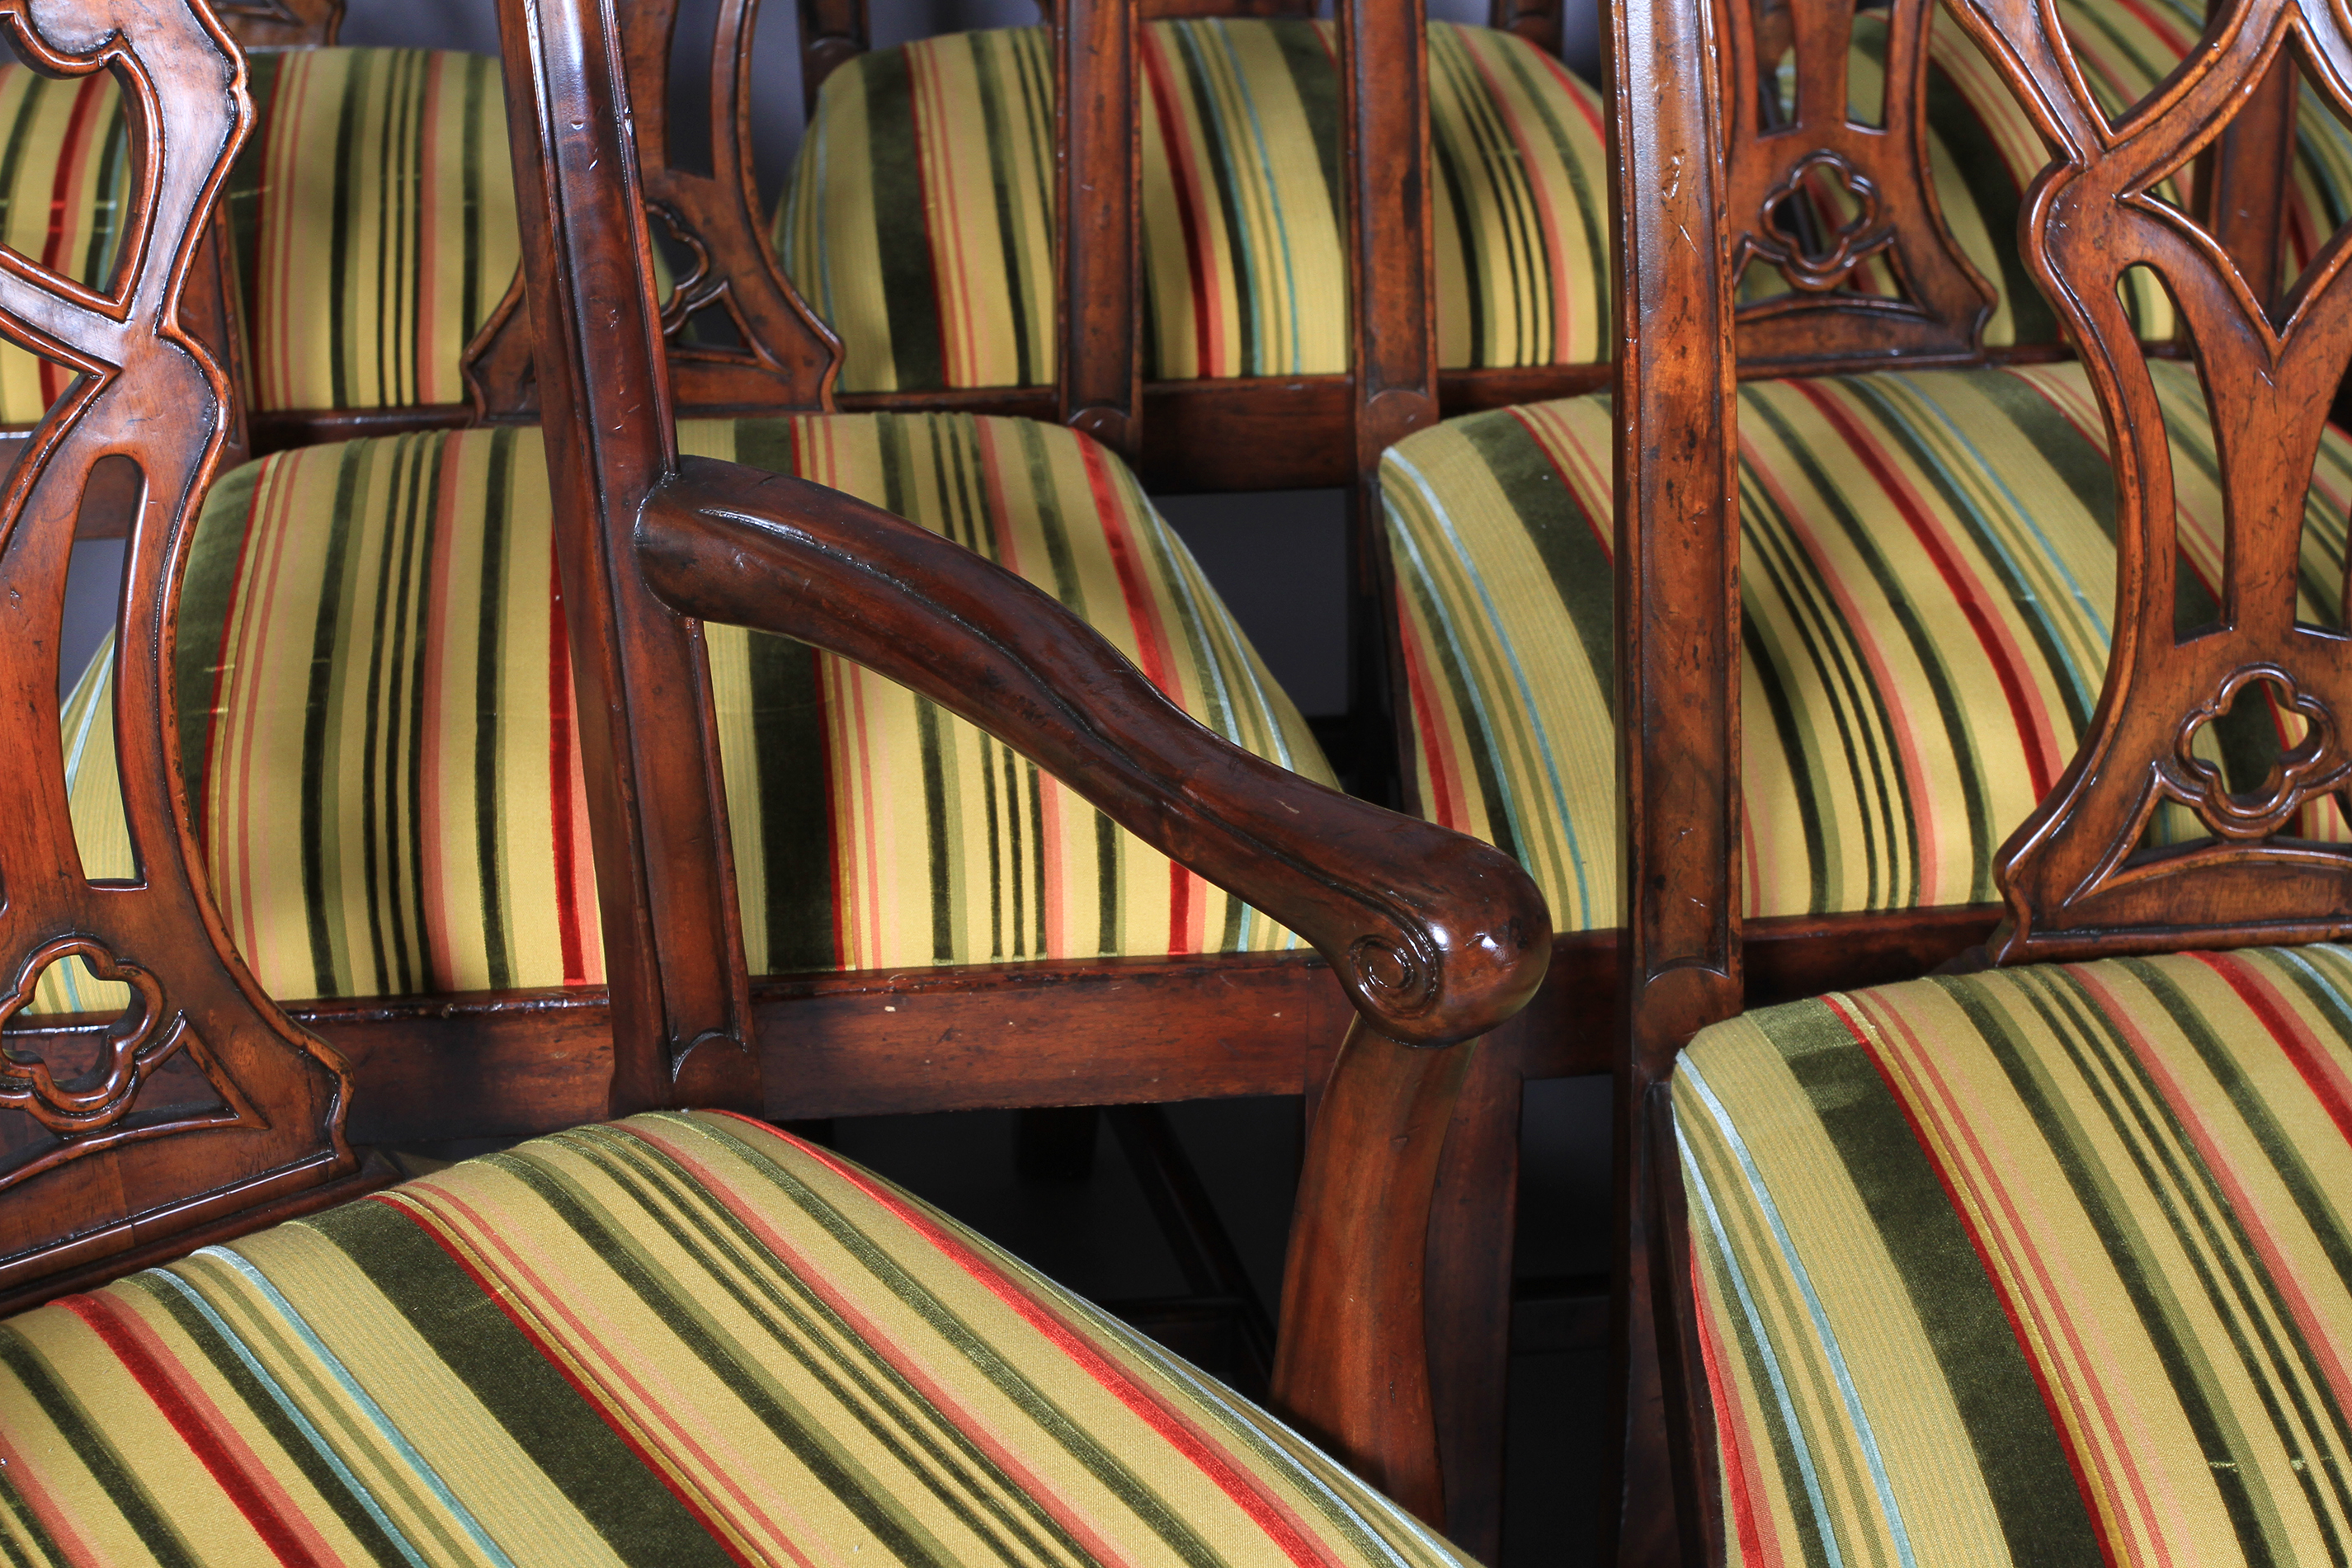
<point x="1436" y="936"/>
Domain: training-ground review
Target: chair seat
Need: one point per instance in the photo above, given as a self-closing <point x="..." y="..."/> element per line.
<point x="1927" y="572"/>
<point x="921" y="215"/>
<point x="377" y="734"/>
<point x="2051" y="1265"/>
<point x="676" y="1340"/>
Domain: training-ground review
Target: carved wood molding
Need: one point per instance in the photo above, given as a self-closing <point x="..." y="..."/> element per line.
<point x="282" y="23"/>
<point x="150" y="395"/>
<point x="1774" y="146"/>
<point x="2078" y="875"/>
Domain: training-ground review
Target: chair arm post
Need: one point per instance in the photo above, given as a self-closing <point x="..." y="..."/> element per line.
<point x="1358" y="1245"/>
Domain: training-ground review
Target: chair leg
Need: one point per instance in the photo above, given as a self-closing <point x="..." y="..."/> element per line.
<point x="1469" y="1305"/>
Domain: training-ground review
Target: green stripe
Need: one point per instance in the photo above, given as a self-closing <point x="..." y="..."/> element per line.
<point x="884" y="1402"/>
<point x="578" y="1453"/>
<point x="909" y="282"/>
<point x="115" y="1477"/>
<point x="2044" y="1516"/>
<point x="1104" y="1466"/>
<point x="489" y="662"/>
<point x="293" y="1444"/>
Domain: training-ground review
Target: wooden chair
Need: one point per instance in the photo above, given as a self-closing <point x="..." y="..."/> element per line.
<point x="1919" y="637"/>
<point x="2088" y="1195"/>
<point x="637" y="1331"/>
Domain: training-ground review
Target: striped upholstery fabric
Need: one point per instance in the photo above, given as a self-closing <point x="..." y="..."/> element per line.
<point x="376" y="722"/>
<point x="1927" y="570"/>
<point x="921" y="217"/>
<point x="376" y="224"/>
<point x="372" y="207"/>
<point x="2039" y="1266"/>
<point x="676" y="1341"/>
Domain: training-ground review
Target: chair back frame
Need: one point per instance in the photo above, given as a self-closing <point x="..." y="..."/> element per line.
<point x="202" y="1098"/>
<point x="2077" y="877"/>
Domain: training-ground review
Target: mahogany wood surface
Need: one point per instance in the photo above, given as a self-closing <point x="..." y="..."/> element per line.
<point x="106" y="1153"/>
<point x="1098" y="261"/>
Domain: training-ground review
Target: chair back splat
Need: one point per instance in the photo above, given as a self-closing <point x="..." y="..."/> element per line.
<point x="202" y="1099"/>
<point x="1434" y="936"/>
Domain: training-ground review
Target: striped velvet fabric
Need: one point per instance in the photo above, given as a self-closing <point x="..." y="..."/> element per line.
<point x="376" y="722"/>
<point x="376" y="224"/>
<point x="1927" y="571"/>
<point x="373" y="208"/>
<point x="2046" y="1266"/>
<point x="676" y="1341"/>
<point x="921" y="215"/>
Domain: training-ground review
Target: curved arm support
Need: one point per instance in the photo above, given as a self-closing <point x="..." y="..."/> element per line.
<point x="1436" y="936"/>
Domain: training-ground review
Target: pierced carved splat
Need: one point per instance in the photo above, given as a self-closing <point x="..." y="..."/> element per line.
<point x="1817" y="193"/>
<point x="151" y="394"/>
<point x="2077" y="875"/>
<point x="784" y="356"/>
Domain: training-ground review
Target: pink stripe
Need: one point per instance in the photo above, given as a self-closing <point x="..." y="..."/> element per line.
<point x="1918" y="1088"/>
<point x="1193" y="195"/>
<point x="273" y="499"/>
<point x="1266" y="1511"/>
<point x="652" y="1411"/>
<point x="946" y="237"/>
<point x="1759" y="1543"/>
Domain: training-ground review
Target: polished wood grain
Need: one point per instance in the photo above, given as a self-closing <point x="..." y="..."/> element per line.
<point x="1098" y="257"/>
<point x="110" y="1153"/>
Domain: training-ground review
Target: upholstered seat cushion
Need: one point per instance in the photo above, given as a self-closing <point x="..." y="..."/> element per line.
<point x="373" y="209"/>
<point x="920" y="213"/>
<point x="677" y="1340"/>
<point x="1927" y="572"/>
<point x="2043" y="1266"/>
<point x="376" y="723"/>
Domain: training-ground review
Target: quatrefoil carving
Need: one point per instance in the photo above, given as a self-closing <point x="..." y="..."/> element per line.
<point x="2312" y="766"/>
<point x="133" y="1046"/>
<point x="1818" y="266"/>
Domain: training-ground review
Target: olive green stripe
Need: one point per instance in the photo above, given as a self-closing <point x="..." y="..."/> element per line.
<point x="1104" y="1466"/>
<point x="115" y="1476"/>
<point x="951" y="1467"/>
<point x="569" y="1440"/>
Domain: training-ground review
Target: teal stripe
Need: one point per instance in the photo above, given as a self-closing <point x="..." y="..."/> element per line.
<point x="390" y="1433"/>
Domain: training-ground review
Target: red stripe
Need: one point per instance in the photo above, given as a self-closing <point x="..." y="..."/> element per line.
<point x="1736" y="1456"/>
<point x="61" y="191"/>
<point x="1184" y="178"/>
<point x="2324" y="1077"/>
<point x="559" y="773"/>
<point x="1964" y="588"/>
<point x="97" y="1314"/>
<point x="1268" y="1512"/>
<point x="499" y="1297"/>
<point x="2000" y="1290"/>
